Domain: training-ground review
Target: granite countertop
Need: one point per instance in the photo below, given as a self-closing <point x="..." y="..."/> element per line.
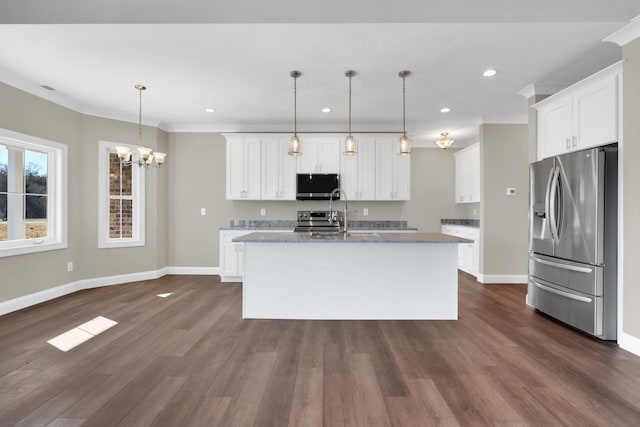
<point x="241" y="224"/>
<point x="351" y="237"/>
<point x="465" y="222"/>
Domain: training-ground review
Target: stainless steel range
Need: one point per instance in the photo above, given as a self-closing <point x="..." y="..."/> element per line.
<point x="319" y="221"/>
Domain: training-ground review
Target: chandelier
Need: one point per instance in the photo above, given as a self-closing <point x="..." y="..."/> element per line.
<point x="145" y="156"/>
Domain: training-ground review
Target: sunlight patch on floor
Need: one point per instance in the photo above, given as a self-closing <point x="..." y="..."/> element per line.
<point x="82" y="333"/>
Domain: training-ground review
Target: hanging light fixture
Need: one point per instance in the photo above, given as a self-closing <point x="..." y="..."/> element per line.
<point x="444" y="141"/>
<point x="145" y="154"/>
<point x="404" y="142"/>
<point x="350" y="143"/>
<point x="294" y="144"/>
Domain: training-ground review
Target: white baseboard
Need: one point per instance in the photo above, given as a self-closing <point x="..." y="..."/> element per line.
<point x="629" y="343"/>
<point x="206" y="271"/>
<point x="502" y="278"/>
<point x="58" y="291"/>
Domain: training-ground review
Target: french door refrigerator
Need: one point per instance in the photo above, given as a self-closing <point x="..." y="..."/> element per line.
<point x="573" y="239"/>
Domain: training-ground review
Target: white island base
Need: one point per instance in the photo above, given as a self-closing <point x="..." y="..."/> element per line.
<point x="339" y="280"/>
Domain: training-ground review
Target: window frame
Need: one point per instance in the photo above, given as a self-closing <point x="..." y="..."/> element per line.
<point x="137" y="193"/>
<point x="57" y="198"/>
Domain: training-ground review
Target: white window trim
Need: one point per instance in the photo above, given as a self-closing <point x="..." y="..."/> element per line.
<point x="138" y="192"/>
<point x="56" y="195"/>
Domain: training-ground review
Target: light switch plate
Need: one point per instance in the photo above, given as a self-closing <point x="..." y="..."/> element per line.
<point x="203" y="211"/>
<point x="263" y="211"/>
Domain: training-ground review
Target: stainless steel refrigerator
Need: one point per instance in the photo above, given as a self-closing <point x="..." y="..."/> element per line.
<point x="573" y="239"/>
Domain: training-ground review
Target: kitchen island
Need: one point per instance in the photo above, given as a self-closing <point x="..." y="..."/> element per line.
<point x="350" y="276"/>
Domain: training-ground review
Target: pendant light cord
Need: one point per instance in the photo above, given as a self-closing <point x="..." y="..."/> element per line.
<point x="350" y="105"/>
<point x="404" y="102"/>
<point x="140" y="118"/>
<point x="295" y="106"/>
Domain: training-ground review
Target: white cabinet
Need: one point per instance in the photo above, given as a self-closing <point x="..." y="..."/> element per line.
<point x="582" y="116"/>
<point x="243" y="168"/>
<point x="358" y="172"/>
<point x="318" y="155"/>
<point x="467" y="175"/>
<point x="259" y="167"/>
<point x="231" y="254"/>
<point x="468" y="253"/>
<point x="278" y="170"/>
<point x="393" y="172"/>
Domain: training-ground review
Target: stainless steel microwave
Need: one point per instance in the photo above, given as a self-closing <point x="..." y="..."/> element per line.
<point x="317" y="186"/>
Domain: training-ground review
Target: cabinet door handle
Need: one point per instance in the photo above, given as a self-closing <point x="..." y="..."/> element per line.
<point x="575" y="142"/>
<point x="568" y="143"/>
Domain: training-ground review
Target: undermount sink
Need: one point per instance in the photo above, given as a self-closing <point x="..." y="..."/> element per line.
<point x="341" y="235"/>
<point x="363" y="234"/>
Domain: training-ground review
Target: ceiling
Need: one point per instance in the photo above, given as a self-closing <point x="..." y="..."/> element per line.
<point x="236" y="57"/>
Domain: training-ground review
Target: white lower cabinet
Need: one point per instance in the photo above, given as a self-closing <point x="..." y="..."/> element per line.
<point x="231" y="254"/>
<point x="468" y="253"/>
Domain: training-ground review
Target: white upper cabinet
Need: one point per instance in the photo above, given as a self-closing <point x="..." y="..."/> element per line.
<point x="393" y="171"/>
<point x="278" y="170"/>
<point x="318" y="155"/>
<point x="243" y="168"/>
<point x="467" y="174"/>
<point x="582" y="116"/>
<point x="259" y="167"/>
<point x="358" y="172"/>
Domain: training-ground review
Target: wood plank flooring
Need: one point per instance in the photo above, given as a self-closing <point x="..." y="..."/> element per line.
<point x="191" y="360"/>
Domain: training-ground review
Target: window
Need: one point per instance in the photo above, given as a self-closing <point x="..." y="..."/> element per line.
<point x="121" y="200"/>
<point x="33" y="194"/>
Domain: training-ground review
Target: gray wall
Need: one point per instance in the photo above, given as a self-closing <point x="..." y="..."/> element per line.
<point x="631" y="177"/>
<point x="198" y="181"/>
<point x="503" y="219"/>
<point x="25" y="274"/>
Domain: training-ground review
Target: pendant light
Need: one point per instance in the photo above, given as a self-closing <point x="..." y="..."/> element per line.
<point x="350" y="143"/>
<point x="294" y="143"/>
<point x="145" y="154"/>
<point x="444" y="141"/>
<point x="404" y="142"/>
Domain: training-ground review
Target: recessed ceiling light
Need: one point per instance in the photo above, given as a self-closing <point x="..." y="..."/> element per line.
<point x="445" y="110"/>
<point x="490" y="72"/>
<point x="326" y="110"/>
<point x="209" y="110"/>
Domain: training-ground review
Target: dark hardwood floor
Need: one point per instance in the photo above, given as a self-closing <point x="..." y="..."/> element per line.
<point x="190" y="360"/>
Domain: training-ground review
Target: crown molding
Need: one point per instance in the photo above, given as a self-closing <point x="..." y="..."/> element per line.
<point x="542" y="89"/>
<point x="516" y="119"/>
<point x="626" y="34"/>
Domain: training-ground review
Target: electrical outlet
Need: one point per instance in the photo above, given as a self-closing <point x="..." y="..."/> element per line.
<point x="365" y="211"/>
<point x="203" y="211"/>
<point x="263" y="211"/>
<point x="70" y="266"/>
<point x="511" y="191"/>
<point x="475" y="212"/>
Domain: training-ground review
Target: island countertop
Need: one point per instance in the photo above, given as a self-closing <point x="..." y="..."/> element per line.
<point x="351" y="237"/>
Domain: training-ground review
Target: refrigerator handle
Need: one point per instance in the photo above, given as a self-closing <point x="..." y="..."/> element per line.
<point x="546" y="195"/>
<point x="553" y="190"/>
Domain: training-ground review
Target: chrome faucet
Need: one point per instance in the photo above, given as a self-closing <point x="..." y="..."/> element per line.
<point x="346" y="207"/>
